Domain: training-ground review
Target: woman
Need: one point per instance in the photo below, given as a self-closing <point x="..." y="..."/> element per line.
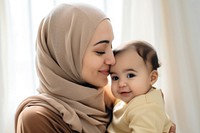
<point x="74" y="53"/>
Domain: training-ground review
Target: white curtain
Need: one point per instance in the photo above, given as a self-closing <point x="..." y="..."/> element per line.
<point x="16" y="57"/>
<point x="173" y="27"/>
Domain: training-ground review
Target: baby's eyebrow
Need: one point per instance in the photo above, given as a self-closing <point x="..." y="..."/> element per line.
<point x="125" y="70"/>
<point x="102" y="41"/>
<point x="130" y="69"/>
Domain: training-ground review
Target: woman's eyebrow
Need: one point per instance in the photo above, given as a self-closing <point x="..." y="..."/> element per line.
<point x="102" y="41"/>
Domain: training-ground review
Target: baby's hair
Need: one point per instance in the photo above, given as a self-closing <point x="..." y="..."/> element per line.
<point x="144" y="50"/>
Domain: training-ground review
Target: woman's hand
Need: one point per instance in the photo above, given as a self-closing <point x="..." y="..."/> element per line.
<point x="172" y="128"/>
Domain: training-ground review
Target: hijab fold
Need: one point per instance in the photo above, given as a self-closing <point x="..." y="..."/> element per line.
<point x="62" y="40"/>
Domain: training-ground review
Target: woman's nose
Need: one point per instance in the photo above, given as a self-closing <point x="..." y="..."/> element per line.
<point x="110" y="59"/>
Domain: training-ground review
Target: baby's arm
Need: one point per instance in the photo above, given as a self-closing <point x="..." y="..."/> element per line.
<point x="149" y="118"/>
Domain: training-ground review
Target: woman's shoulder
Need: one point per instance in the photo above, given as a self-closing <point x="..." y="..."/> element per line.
<point x="33" y="114"/>
<point x="34" y="119"/>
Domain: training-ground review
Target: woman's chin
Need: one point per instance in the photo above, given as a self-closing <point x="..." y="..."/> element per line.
<point x="103" y="83"/>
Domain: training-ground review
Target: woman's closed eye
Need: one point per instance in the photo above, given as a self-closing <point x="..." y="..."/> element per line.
<point x="100" y="52"/>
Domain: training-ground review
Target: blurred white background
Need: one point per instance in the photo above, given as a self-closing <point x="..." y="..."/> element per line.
<point x="172" y="26"/>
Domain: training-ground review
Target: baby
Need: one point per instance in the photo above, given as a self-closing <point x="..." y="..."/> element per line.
<point x="141" y="106"/>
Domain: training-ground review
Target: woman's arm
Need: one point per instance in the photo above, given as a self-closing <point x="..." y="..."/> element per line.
<point x="37" y="119"/>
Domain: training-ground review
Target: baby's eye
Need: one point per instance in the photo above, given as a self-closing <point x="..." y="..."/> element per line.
<point x="100" y="52"/>
<point x="130" y="75"/>
<point x="114" y="78"/>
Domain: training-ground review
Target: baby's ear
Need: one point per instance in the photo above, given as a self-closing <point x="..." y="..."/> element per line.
<point x="154" y="76"/>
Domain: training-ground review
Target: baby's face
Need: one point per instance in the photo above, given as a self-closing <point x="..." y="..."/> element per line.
<point x="130" y="76"/>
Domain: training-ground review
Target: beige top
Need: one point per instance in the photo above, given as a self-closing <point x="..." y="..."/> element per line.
<point x="143" y="114"/>
<point x="62" y="40"/>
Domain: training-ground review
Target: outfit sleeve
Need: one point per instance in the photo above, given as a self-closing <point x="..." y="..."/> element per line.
<point x="37" y="119"/>
<point x="148" y="118"/>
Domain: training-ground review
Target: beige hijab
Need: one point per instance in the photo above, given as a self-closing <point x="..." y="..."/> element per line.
<point x="62" y="40"/>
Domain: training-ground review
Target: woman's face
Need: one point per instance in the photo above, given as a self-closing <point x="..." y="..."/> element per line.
<point x="99" y="56"/>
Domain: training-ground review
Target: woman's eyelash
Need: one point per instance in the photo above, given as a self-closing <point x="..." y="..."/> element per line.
<point x="100" y="53"/>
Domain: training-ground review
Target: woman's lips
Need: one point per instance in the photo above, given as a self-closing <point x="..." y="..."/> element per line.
<point x="104" y="72"/>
